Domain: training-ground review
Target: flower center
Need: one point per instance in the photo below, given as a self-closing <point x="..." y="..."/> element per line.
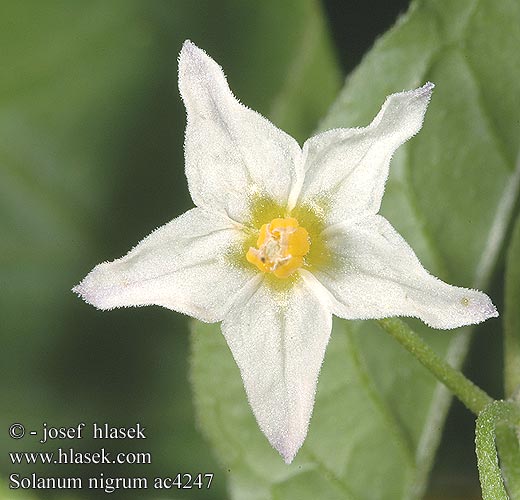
<point x="281" y="246"/>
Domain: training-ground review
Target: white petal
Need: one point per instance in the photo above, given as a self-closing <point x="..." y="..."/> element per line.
<point x="378" y="275"/>
<point x="183" y="265"/>
<point x="278" y="341"/>
<point x="232" y="152"/>
<point x="346" y="169"/>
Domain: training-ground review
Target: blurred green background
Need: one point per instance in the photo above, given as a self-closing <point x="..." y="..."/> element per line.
<point x="91" y="160"/>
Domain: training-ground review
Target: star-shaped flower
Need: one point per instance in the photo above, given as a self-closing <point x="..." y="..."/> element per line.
<point x="282" y="238"/>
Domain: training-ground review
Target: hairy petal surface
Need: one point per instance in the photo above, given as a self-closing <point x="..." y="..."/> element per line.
<point x="378" y="275"/>
<point x="346" y="169"/>
<point x="278" y="340"/>
<point x="183" y="265"/>
<point x="232" y="152"/>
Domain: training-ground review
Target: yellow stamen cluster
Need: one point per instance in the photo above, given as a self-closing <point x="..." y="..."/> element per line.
<point x="281" y="246"/>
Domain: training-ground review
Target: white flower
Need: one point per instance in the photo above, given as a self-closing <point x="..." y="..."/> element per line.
<point x="281" y="238"/>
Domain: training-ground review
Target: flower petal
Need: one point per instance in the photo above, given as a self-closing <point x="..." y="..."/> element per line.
<point x="184" y="265"/>
<point x="278" y="340"/>
<point x="346" y="169"/>
<point x="232" y="152"/>
<point x="378" y="275"/>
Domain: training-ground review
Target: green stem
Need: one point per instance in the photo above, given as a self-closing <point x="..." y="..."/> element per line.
<point x="509" y="452"/>
<point x="496" y="413"/>
<point x="512" y="317"/>
<point x="473" y="397"/>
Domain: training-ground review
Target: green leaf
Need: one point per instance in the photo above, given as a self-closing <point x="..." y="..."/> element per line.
<point x="451" y="192"/>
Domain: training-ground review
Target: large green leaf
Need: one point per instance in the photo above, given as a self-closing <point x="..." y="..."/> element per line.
<point x="451" y="193"/>
<point x="91" y="161"/>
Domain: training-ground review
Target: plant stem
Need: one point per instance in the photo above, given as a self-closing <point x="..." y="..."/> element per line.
<point x="491" y="480"/>
<point x="508" y="447"/>
<point x="512" y="317"/>
<point x="473" y="397"/>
